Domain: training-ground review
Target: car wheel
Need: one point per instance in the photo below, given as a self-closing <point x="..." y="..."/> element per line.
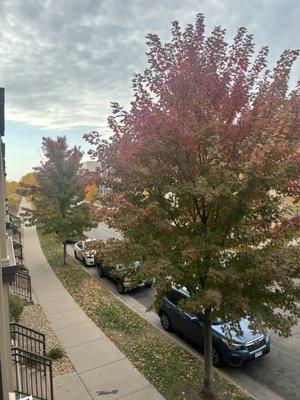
<point x="100" y="272"/>
<point x="120" y="287"/>
<point x="165" y="322"/>
<point x="216" y="358"/>
<point x="75" y="254"/>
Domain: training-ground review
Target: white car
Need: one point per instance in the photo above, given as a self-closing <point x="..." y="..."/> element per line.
<point x="83" y="253"/>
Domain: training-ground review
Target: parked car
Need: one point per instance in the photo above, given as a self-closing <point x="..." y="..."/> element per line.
<point x="117" y="274"/>
<point x="228" y="348"/>
<point x="83" y="253"/>
<point x="72" y="239"/>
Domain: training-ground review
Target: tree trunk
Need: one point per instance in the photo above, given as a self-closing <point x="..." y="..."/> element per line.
<point x="207" y="385"/>
<point x="65" y="254"/>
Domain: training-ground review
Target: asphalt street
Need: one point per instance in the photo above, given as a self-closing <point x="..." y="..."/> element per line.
<point x="272" y="377"/>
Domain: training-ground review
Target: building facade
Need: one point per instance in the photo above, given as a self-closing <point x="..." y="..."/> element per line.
<point x="7" y="271"/>
<point x="22" y="349"/>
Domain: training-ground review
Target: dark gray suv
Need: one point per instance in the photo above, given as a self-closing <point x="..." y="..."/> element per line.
<point x="229" y="349"/>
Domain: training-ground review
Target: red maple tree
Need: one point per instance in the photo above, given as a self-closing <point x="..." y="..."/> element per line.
<point x="200" y="166"/>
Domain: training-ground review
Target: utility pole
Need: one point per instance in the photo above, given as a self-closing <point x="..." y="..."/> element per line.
<point x="5" y="351"/>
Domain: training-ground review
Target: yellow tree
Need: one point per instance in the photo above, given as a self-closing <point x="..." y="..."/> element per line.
<point x="12" y="196"/>
<point x="29" y="178"/>
<point x="91" y="192"/>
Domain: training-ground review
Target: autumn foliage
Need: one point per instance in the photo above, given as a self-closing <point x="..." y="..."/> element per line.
<point x="91" y="192"/>
<point x="28" y="179"/>
<point x="58" y="192"/>
<point x="200" y="166"/>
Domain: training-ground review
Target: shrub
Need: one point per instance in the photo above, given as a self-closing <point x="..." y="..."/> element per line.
<point x="55" y="353"/>
<point x="16" y="307"/>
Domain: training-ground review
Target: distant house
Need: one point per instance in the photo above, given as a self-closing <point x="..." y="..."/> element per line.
<point x="91" y="166"/>
<point x="290" y="207"/>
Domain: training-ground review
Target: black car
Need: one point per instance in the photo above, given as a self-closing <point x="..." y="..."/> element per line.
<point x="228" y="348"/>
<point x="117" y="274"/>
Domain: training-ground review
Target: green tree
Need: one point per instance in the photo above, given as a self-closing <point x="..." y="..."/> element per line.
<point x="28" y="179"/>
<point x="27" y="182"/>
<point x="58" y="192"/>
<point x="199" y="167"/>
<point x="13" y="198"/>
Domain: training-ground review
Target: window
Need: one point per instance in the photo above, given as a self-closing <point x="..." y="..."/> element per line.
<point x="79" y="244"/>
<point x="174" y="297"/>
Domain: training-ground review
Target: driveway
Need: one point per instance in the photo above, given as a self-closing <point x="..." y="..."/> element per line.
<point x="103" y="232"/>
<point x="273" y="377"/>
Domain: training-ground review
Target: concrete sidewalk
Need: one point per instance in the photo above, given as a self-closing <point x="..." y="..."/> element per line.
<point x="101" y="369"/>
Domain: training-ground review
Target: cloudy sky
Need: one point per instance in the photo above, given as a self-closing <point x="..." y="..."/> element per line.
<point x="63" y="61"/>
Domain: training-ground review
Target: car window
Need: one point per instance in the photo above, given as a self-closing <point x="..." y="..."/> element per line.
<point x="215" y="321"/>
<point x="119" y="267"/>
<point x="79" y="244"/>
<point x="88" y="244"/>
<point x="174" y="297"/>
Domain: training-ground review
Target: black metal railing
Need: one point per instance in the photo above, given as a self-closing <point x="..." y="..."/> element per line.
<point x="21" y="285"/>
<point x="27" y="338"/>
<point x="32" y="374"/>
<point x="19" y="262"/>
<point x="24" y="270"/>
<point x="12" y="221"/>
<point x="18" y="249"/>
<point x="17" y="236"/>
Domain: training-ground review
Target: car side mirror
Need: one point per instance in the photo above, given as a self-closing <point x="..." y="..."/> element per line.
<point x="100" y="262"/>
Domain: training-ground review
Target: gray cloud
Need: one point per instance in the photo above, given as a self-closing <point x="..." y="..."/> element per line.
<point x="63" y="62"/>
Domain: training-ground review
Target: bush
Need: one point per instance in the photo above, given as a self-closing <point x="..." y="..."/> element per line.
<point x="55" y="353"/>
<point x="16" y="307"/>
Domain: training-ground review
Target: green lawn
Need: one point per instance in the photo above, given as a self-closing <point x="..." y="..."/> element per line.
<point x="171" y="369"/>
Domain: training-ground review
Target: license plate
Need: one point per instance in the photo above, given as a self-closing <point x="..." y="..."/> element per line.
<point x="258" y="354"/>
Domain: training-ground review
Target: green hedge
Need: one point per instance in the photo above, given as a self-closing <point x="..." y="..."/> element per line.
<point x="16" y="307"/>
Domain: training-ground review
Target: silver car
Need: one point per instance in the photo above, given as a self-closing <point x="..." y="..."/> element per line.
<point x="84" y="253"/>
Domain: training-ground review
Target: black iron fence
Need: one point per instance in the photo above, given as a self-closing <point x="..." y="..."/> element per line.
<point x="12" y="221"/>
<point x="18" y="249"/>
<point x="27" y="338"/>
<point x="32" y="374"/>
<point x="21" y="285"/>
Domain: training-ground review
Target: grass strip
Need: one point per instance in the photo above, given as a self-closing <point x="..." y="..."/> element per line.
<point x="175" y="373"/>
